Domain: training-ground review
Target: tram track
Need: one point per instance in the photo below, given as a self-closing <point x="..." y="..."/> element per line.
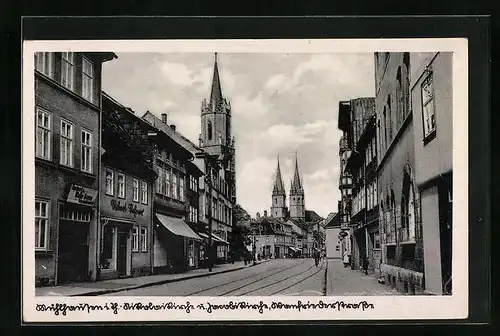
<point x="276" y="282"/>
<point x="246" y="278"/>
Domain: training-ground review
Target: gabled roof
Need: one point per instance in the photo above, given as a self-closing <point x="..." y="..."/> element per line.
<point x="312" y="216"/>
<point x="333" y="221"/>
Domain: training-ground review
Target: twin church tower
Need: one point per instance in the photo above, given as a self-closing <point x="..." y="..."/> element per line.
<point x="297" y="202"/>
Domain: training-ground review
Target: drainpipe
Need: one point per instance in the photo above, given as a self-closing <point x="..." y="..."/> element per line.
<point x="98" y="219"/>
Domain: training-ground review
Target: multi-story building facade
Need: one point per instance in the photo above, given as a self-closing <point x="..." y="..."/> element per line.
<point x="175" y="242"/>
<point x="345" y="178"/>
<point x="432" y="108"/>
<point x="399" y="200"/>
<point x="126" y="202"/>
<point x="67" y="157"/>
<point x="361" y="165"/>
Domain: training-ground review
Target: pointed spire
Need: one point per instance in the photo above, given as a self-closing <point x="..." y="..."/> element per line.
<point x="216" y="94"/>
<point x="296" y="186"/>
<point x="278" y="188"/>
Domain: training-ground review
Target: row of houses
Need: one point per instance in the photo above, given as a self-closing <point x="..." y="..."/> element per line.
<point x="396" y="174"/>
<point x="273" y="237"/>
<point x="118" y="194"/>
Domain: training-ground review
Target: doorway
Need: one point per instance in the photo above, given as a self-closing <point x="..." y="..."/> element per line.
<point x="73" y="252"/>
<point x="121" y="258"/>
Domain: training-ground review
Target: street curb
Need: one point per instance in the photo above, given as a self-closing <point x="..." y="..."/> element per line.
<point x="160" y="282"/>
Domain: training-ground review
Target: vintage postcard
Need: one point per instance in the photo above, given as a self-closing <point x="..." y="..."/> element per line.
<point x="236" y="180"/>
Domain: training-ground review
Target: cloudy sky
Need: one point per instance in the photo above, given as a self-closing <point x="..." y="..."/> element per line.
<point x="281" y="103"/>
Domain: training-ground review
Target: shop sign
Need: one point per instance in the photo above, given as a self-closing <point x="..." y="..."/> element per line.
<point x="123" y="207"/>
<point x="81" y="195"/>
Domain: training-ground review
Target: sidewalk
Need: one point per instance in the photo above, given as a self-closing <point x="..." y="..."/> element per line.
<point x="341" y="281"/>
<point x="117" y="285"/>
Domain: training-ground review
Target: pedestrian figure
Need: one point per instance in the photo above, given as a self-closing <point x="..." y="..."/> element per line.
<point x="346" y="259"/>
<point x="365" y="264"/>
<point x="316" y="258"/>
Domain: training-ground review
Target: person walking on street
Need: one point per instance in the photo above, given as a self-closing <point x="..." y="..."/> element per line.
<point x="365" y="264"/>
<point x="346" y="259"/>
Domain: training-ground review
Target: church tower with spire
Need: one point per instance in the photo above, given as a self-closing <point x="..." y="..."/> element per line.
<point x="297" y="201"/>
<point x="216" y="138"/>
<point x="278" y="206"/>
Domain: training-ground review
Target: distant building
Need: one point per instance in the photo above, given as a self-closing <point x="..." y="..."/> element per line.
<point x="362" y="166"/>
<point x="216" y="139"/>
<point x="278" y="205"/>
<point x="297" y="197"/>
<point x="67" y="165"/>
<point x="432" y="105"/>
<point x="333" y="237"/>
<point x="345" y="178"/>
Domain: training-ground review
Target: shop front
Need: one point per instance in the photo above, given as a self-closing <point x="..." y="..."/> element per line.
<point x="125" y="226"/>
<point x="75" y="239"/>
<point x="176" y="245"/>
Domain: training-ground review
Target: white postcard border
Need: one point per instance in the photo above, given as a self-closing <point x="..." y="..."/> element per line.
<point x="388" y="307"/>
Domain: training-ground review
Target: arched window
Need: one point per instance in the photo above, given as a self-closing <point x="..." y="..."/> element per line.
<point x="406" y="82"/>
<point x="209" y="130"/>
<point x="399" y="98"/>
<point x="385" y="128"/>
<point x="408" y="206"/>
<point x="389" y="116"/>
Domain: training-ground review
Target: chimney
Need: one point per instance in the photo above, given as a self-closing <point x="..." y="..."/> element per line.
<point x="258" y="215"/>
<point x="164" y="118"/>
<point x="172" y="127"/>
<point x="265" y="213"/>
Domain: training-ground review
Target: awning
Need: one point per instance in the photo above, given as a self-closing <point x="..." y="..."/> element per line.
<point x="293" y="248"/>
<point x="215" y="238"/>
<point x="219" y="239"/>
<point x="177" y="226"/>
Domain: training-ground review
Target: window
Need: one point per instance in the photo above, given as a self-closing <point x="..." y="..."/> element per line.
<point x="88" y="80"/>
<point x="43" y="63"/>
<point x="174" y="185"/>
<point x="41" y="224"/>
<point x="135" y="190"/>
<point x="159" y="180"/>
<point x="144" y="239"/>
<point x="108" y="253"/>
<point x="181" y="188"/>
<point x="110" y="181"/>
<point x="43" y="133"/>
<point x="376" y="240"/>
<point x="209" y="130"/>
<point x="121" y="185"/>
<point x="411" y="213"/>
<point x="135" y="239"/>
<point x="67" y="70"/>
<point x="66" y="157"/>
<point x="86" y="151"/>
<point x="168" y="185"/>
<point x="144" y="192"/>
<point x="428" y="106"/>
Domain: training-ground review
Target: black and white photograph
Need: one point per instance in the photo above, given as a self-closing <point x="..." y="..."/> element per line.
<point x="321" y="173"/>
